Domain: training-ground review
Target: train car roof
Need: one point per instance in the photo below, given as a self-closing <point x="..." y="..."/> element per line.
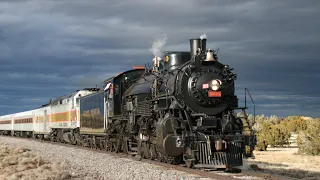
<point x="93" y="94"/>
<point x="6" y="116"/>
<point x="135" y="68"/>
<point x="56" y="100"/>
<point x="65" y="96"/>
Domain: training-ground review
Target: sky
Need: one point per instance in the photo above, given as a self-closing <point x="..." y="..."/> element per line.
<point x="52" y="48"/>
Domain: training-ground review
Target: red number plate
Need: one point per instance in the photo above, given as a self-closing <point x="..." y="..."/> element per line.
<point x="214" y="94"/>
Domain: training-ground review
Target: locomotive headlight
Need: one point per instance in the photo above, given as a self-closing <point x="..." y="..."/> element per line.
<point x="215" y="84"/>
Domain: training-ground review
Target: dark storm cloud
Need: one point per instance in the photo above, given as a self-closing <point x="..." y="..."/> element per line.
<point x="50" y="48"/>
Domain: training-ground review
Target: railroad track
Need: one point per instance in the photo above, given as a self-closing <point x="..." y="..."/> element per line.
<point x="245" y="174"/>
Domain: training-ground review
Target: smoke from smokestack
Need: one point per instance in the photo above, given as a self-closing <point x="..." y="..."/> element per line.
<point x="158" y="45"/>
<point x="203" y="36"/>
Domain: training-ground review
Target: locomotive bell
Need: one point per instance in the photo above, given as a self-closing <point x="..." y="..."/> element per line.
<point x="209" y="56"/>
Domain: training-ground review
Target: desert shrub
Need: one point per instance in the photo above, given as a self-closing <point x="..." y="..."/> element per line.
<point x="262" y="129"/>
<point x="278" y="136"/>
<point x="295" y="123"/>
<point x="270" y="131"/>
<point x="262" y="143"/>
<point x="273" y="119"/>
<point x="247" y="151"/>
<point x="309" y="139"/>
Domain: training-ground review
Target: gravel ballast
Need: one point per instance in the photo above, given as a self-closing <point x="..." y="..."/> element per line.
<point x="85" y="164"/>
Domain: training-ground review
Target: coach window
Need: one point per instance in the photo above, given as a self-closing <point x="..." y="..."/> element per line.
<point x="77" y="101"/>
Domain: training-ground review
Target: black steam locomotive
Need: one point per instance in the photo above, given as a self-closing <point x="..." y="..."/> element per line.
<point x="181" y="111"/>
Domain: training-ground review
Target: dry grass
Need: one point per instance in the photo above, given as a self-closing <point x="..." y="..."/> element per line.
<point x="21" y="164"/>
<point x="286" y="161"/>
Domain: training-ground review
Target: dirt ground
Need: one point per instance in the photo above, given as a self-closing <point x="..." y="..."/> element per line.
<point x="286" y="161"/>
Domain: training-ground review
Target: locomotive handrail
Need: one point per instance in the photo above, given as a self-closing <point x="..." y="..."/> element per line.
<point x="245" y="103"/>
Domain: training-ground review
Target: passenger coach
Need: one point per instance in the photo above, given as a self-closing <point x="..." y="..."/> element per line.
<point x="49" y="121"/>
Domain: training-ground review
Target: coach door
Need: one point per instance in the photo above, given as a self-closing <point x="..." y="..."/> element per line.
<point x="45" y="120"/>
<point x="105" y="110"/>
<point x="108" y="103"/>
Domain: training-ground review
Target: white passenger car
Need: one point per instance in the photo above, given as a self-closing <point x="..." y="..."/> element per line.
<point x="6" y="124"/>
<point x="23" y="122"/>
<point x="58" y="116"/>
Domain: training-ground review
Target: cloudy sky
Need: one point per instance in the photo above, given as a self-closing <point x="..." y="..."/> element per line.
<point x="50" y="48"/>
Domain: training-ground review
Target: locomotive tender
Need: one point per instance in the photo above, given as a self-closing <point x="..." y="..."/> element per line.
<point x="182" y="111"/>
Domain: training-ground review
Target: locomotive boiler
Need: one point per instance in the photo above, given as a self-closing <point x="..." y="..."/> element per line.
<point x="184" y="111"/>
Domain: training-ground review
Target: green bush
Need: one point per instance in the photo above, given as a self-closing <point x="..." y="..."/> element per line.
<point x="262" y="128"/>
<point x="295" y="123"/>
<point x="270" y="131"/>
<point x="275" y="132"/>
<point x="261" y="145"/>
<point x="278" y="136"/>
<point x="309" y="139"/>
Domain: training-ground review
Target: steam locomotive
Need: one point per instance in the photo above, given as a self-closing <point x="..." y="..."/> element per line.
<point x="191" y="110"/>
<point x="183" y="110"/>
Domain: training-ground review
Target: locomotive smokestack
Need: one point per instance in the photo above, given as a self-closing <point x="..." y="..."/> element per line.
<point x="196" y="44"/>
<point x="203" y="44"/>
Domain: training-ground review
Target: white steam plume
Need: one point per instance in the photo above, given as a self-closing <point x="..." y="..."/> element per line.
<point x="158" y="45"/>
<point x="203" y="36"/>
